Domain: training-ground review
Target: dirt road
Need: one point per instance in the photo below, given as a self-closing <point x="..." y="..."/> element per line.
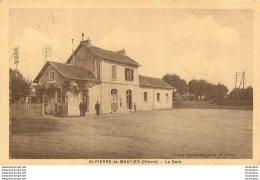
<point x="173" y="134"/>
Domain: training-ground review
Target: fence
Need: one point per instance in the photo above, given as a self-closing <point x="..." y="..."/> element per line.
<point x="26" y="109"/>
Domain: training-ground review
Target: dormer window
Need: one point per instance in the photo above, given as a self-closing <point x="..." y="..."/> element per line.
<point x="113" y="72"/>
<point x="51" y="75"/>
<point x="129" y="74"/>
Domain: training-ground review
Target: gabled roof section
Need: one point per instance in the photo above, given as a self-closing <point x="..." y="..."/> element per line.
<point x="145" y="81"/>
<point x="68" y="71"/>
<point x="107" y="54"/>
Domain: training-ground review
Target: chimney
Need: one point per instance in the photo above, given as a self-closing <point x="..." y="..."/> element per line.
<point x="88" y="42"/>
<point x="122" y="52"/>
<point x="82" y="36"/>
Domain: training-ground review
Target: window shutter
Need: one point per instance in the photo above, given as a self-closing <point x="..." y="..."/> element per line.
<point x="132" y="75"/>
<point x="125" y="73"/>
<point x="115" y="72"/>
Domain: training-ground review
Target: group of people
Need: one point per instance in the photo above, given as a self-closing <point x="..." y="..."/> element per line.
<point x="58" y="111"/>
<point x="83" y="108"/>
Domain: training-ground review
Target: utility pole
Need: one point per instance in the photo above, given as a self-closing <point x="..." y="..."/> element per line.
<point x="236" y="81"/>
<point x="72" y="53"/>
<point x="16" y="56"/>
<point x="244" y="76"/>
<point x="242" y="80"/>
<point x="46" y="53"/>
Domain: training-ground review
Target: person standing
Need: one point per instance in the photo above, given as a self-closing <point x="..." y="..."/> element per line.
<point x="135" y="107"/>
<point x="59" y="110"/>
<point x="97" y="107"/>
<point x="80" y="108"/>
<point x="84" y="108"/>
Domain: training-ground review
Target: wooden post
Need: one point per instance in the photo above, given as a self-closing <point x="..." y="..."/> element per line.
<point x="43" y="99"/>
<point x="56" y="96"/>
<point x="42" y="108"/>
<point x="244" y="74"/>
<point x="236" y="81"/>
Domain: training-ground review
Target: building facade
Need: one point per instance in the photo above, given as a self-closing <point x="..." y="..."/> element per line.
<point x="93" y="74"/>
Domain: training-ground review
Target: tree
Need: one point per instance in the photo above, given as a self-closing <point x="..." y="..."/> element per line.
<point x="193" y="87"/>
<point x="81" y="87"/>
<point x="39" y="91"/>
<point x="203" y="88"/>
<point x="248" y="94"/>
<point x="19" y="87"/>
<point x="175" y="81"/>
<point x="242" y="94"/>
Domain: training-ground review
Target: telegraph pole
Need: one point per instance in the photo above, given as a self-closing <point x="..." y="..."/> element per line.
<point x="16" y="56"/>
<point x="72" y="53"/>
<point x="242" y="80"/>
<point x="244" y="76"/>
<point x="236" y="81"/>
<point x="46" y="53"/>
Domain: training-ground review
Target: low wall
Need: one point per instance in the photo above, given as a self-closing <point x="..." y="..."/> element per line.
<point x="223" y="104"/>
<point x="191" y="104"/>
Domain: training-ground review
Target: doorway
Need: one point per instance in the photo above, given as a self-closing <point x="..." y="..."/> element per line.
<point x="114" y="100"/>
<point x="85" y="99"/>
<point x="129" y="99"/>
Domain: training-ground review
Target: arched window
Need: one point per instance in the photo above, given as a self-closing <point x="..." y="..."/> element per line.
<point x="113" y="72"/>
<point x="129" y="92"/>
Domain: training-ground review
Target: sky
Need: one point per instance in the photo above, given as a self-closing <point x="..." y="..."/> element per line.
<point x="194" y="44"/>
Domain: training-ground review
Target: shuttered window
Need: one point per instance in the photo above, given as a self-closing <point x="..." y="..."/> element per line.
<point x="129" y="74"/>
<point x="132" y="75"/>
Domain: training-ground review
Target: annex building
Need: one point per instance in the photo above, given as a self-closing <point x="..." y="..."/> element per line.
<point x="93" y="74"/>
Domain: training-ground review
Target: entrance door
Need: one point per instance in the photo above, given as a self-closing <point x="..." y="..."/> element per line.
<point x="86" y="99"/>
<point x="114" y="100"/>
<point x="49" y="102"/>
<point x="129" y="99"/>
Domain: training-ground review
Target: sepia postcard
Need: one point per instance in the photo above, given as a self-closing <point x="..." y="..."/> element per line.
<point x="171" y="83"/>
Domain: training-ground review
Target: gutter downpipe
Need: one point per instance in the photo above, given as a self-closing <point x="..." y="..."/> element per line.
<point x="101" y="104"/>
<point x="153" y="98"/>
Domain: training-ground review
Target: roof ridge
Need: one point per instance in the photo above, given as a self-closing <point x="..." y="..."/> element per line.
<point x="108" y="50"/>
<point x="151" y="77"/>
<point x="153" y="82"/>
<point x="122" y="58"/>
<point x="66" y="64"/>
